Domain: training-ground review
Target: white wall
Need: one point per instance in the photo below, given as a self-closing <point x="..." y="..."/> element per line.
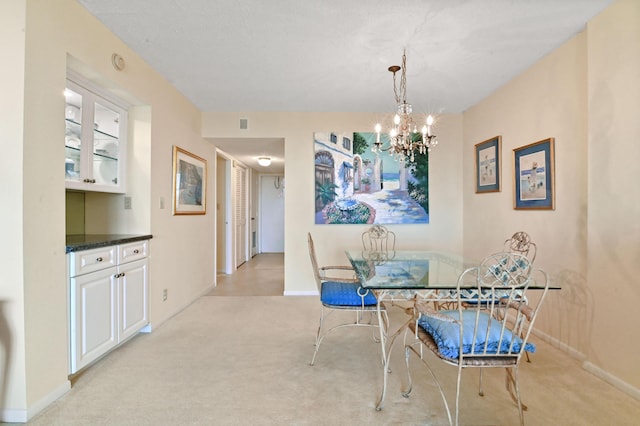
<point x="613" y="222"/>
<point x="585" y="94"/>
<point x="43" y="38"/>
<point x="12" y="327"/>
<point x="443" y="232"/>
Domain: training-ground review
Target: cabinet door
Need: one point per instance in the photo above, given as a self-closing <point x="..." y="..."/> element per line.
<point x="93" y="316"/>
<point x="95" y="141"/>
<point x="74" y="163"/>
<point x="134" y="312"/>
<point x="107" y="157"/>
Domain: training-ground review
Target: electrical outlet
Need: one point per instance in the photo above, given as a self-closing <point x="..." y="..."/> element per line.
<point x="164" y="295"/>
<point x="127" y="203"/>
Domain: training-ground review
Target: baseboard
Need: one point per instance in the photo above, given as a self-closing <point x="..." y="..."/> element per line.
<point x="23" y="416"/>
<point x="588" y="366"/>
<point x="301" y="293"/>
<point x="569" y="350"/>
<point x="612" y="380"/>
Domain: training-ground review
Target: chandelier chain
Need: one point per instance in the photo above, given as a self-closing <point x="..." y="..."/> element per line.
<point x="403" y="79"/>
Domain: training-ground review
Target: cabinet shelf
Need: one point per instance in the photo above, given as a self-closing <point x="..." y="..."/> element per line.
<point x="95" y="142"/>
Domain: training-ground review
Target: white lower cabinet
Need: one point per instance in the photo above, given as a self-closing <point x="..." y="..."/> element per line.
<point x="109" y="305"/>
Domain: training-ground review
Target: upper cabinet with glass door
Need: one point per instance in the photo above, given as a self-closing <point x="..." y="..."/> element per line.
<point x="95" y="141"/>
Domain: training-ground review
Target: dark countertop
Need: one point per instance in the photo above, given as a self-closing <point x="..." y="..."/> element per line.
<point x="91" y="241"/>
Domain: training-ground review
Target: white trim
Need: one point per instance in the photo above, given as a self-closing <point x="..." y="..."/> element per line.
<point x="301" y="293"/>
<point x="23" y="416"/>
<point x="612" y="380"/>
<point x="572" y="352"/>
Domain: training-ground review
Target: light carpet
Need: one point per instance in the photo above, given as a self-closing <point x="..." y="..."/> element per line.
<point x="245" y="361"/>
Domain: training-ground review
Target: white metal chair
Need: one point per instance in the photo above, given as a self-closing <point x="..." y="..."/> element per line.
<point x="378" y="243"/>
<point x="520" y="242"/>
<point x="493" y="333"/>
<point x="341" y="294"/>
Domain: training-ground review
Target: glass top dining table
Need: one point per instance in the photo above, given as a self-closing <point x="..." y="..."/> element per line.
<point x="412" y="275"/>
<point x="410" y="270"/>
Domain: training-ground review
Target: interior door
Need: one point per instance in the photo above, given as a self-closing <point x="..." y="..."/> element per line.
<point x="253" y="213"/>
<point x="241" y="214"/>
<point x="272" y="214"/>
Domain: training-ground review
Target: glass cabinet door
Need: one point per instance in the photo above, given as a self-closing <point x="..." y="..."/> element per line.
<point x="95" y="141"/>
<point x="106" y="150"/>
<point x="73" y="135"/>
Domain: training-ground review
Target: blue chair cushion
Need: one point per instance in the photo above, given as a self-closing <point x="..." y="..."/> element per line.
<point x="447" y="334"/>
<point x="345" y="294"/>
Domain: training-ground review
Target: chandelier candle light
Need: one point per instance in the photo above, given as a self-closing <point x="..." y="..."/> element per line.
<point x="404" y="130"/>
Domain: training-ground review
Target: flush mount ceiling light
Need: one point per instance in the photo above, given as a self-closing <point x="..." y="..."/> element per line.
<point x="264" y="161"/>
<point x="404" y="138"/>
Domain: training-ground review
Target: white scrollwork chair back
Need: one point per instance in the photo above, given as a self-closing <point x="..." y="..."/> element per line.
<point x="520" y="242"/>
<point x="378" y="243"/>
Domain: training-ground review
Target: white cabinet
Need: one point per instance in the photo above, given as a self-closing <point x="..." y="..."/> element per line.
<point x="95" y="141"/>
<point x="108" y="295"/>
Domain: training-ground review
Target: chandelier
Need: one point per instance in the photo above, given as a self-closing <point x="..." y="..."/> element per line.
<point x="404" y="138"/>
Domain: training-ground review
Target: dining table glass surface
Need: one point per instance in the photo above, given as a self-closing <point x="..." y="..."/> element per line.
<point x="407" y="269"/>
<point x="412" y="270"/>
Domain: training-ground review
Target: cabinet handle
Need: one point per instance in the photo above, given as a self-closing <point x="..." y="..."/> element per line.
<point x="136" y="251"/>
<point x="99" y="259"/>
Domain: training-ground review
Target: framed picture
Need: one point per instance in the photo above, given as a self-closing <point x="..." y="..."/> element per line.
<point x="189" y="183"/>
<point x="354" y="185"/>
<point x="488" y="165"/>
<point x="534" y="174"/>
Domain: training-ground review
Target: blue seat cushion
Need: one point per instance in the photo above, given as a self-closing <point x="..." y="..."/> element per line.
<point x="447" y="335"/>
<point x="345" y="294"/>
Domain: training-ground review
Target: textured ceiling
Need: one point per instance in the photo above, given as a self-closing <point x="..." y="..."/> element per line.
<point x="333" y="55"/>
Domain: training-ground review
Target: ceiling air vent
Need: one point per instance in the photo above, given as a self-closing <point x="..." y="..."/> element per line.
<point x="244" y="124"/>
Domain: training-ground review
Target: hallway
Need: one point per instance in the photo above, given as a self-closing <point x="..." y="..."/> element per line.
<point x="263" y="275"/>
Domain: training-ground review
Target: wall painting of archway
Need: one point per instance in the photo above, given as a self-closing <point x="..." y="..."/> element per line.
<point x="353" y="185"/>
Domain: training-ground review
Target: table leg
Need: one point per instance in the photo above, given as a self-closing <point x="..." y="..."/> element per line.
<point x="386" y="354"/>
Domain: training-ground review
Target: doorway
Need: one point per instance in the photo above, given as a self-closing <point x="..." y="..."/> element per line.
<point x="271" y="214"/>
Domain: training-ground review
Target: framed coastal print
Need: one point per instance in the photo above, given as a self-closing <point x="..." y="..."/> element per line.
<point x="488" y="165"/>
<point x="189" y="183"/>
<point x="534" y="176"/>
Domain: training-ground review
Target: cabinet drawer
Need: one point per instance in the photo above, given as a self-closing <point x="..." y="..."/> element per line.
<point x="132" y="251"/>
<point x="83" y="262"/>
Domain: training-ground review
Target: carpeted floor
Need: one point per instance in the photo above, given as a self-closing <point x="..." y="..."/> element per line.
<point x="245" y="361"/>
